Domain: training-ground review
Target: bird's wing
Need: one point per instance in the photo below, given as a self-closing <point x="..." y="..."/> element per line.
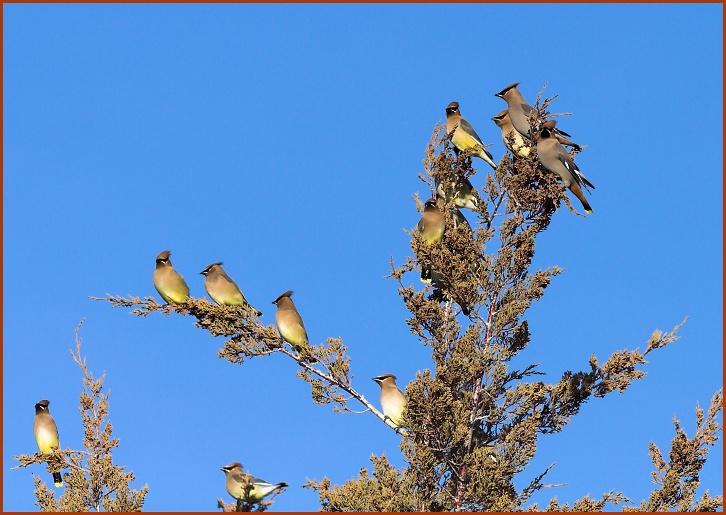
<point x="241" y="478"/>
<point x="526" y="108"/>
<point x="565" y="159"/>
<point x="466" y="127"/>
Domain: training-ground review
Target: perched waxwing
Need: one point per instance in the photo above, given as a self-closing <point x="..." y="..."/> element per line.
<point x="555" y="158"/>
<point x="461" y="191"/>
<point x="465" y="137"/>
<point x="167" y="281"/>
<point x="518" y="108"/>
<point x="247" y="488"/>
<point x="290" y="325"/>
<point x="46" y="434"/>
<point x="431" y="227"/>
<point x="517" y="147"/>
<point x="393" y="402"/>
<point x="223" y="290"/>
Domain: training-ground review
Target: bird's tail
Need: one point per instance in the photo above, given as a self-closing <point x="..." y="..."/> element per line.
<point x="575" y="188"/>
<point x="57" y="479"/>
<point x="486" y="156"/>
<point x="426" y="273"/>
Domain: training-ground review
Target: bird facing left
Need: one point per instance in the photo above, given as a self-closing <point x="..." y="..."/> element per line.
<point x="245" y="487"/>
<point x="223" y="290"/>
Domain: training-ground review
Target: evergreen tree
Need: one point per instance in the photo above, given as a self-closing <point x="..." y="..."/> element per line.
<point x="472" y="423"/>
<point x="93" y="482"/>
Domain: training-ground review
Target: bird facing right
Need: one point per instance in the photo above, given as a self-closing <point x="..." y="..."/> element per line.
<point x="245" y="487"/>
<point x="393" y="402"/>
<point x="167" y="281"/>
<point x="555" y="158"/>
<point x="46" y="434"/>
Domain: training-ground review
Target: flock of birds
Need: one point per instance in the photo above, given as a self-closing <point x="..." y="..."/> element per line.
<point x="225" y="292"/>
<point x="515" y="123"/>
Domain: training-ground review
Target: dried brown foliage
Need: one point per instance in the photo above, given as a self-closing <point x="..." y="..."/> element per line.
<point x="93" y="482"/>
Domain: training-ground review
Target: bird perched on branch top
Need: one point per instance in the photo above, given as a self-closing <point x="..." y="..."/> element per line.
<point x="517" y="147"/>
<point x="290" y="325"/>
<point x="167" y="281"/>
<point x="247" y="488"/>
<point x="431" y="228"/>
<point x="223" y="290"/>
<point x="464" y="136"/>
<point x="555" y="158"/>
<point x="46" y="434"/>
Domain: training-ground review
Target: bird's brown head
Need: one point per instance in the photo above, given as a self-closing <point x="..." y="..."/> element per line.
<point x="452" y="108"/>
<point x="385" y="378"/>
<point x="232" y="466"/>
<point x="285" y="295"/>
<point x="163" y="258"/>
<point x="501" y="118"/>
<point x="432" y="202"/>
<point x="212" y="268"/>
<point x="42" y="406"/>
<point x="503" y="92"/>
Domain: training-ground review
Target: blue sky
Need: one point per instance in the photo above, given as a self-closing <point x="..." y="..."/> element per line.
<point x="284" y="140"/>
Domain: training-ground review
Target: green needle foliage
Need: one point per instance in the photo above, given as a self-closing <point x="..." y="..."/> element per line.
<point x="472" y="423"/>
<point x="93" y="482"/>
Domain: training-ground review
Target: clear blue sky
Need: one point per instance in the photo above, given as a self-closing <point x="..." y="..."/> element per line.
<point x="284" y="140"/>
